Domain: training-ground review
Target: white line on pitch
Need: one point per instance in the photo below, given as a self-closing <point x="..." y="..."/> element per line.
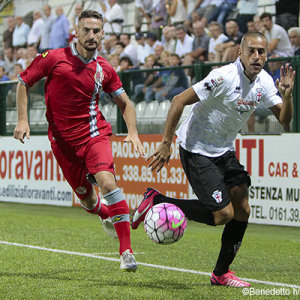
<point x="144" y="264"/>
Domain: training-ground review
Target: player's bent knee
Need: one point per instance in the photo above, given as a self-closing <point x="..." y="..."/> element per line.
<point x="242" y="213"/>
<point x="224" y="215"/>
<point x="108" y="186"/>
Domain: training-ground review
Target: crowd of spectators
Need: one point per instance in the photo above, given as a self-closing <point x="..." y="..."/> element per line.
<point x="166" y="34"/>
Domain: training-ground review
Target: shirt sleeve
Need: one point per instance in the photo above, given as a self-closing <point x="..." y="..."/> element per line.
<point x="40" y="67"/>
<point x="112" y="85"/>
<point x="211" y="86"/>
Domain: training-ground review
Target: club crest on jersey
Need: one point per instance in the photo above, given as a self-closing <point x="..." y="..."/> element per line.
<point x="217" y="81"/>
<point x="217" y="195"/>
<point x="258" y="94"/>
<point x="99" y="76"/>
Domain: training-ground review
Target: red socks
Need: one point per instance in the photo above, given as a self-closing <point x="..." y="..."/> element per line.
<point x="119" y="213"/>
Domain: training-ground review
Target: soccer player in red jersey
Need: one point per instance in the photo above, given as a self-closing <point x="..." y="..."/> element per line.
<point x="78" y="132"/>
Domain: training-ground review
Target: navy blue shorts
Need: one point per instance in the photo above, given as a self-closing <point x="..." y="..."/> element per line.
<point x="212" y="177"/>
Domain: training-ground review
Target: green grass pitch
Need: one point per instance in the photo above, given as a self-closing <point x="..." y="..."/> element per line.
<point x="268" y="253"/>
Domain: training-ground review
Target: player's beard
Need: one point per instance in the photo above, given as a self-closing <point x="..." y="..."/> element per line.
<point x="89" y="48"/>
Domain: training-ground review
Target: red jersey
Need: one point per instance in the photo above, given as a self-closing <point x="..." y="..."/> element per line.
<point x="72" y="92"/>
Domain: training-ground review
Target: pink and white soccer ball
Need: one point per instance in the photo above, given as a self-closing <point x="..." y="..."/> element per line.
<point x="165" y="223"/>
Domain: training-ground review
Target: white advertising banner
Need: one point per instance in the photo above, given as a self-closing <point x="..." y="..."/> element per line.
<point x="29" y="173"/>
<point x="274" y="165"/>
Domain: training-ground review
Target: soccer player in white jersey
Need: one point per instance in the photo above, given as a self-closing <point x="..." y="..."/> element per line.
<point x="78" y="132"/>
<point x="222" y="103"/>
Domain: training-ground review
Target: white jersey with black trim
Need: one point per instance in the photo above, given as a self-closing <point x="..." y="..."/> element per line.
<point x="227" y="99"/>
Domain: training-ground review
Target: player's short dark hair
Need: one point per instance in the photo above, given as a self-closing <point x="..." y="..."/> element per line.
<point x="86" y="14"/>
<point x="266" y="15"/>
<point x="253" y="34"/>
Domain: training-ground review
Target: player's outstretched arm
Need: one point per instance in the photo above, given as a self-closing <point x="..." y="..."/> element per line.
<point x="129" y="116"/>
<point x="163" y="153"/>
<point x="22" y="128"/>
<point x="285" y="87"/>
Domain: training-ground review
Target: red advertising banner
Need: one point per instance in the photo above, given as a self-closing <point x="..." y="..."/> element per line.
<point x="134" y="176"/>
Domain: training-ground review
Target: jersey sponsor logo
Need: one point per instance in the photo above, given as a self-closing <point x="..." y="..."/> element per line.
<point x="81" y="190"/>
<point x="45" y="54"/>
<point x="217" y="195"/>
<point x="258" y="94"/>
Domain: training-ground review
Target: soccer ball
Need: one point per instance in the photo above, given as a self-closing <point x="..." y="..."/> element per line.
<point x="165" y="223"/>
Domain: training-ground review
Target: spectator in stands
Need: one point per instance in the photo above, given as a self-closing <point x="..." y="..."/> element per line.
<point x="130" y="50"/>
<point x="177" y="11"/>
<point x="158" y="49"/>
<point x="149" y="78"/>
<point x="8" y="33"/>
<point x="21" y="57"/>
<point x="174" y="84"/>
<point x="164" y="58"/>
<point x="258" y="24"/>
<point x="20" y="33"/>
<point x="114" y="60"/>
<point x="105" y="48"/>
<point x="277" y="37"/>
<point x="31" y="54"/>
<point x="216" y="37"/>
<point x="49" y="20"/>
<point x="77" y="11"/>
<point x="228" y="50"/>
<point x="119" y="48"/>
<point x="247" y="10"/>
<point x="113" y="38"/>
<point x="2" y="61"/>
<point x="159" y="18"/>
<point x="143" y="49"/>
<point x="36" y="29"/>
<point x="152" y="41"/>
<point x="203" y="9"/>
<point x="10" y="61"/>
<point x="194" y="17"/>
<point x="125" y="64"/>
<point x="287" y="13"/>
<point x="184" y="42"/>
<point x="251" y="26"/>
<point x="168" y="42"/>
<point x="17" y="70"/>
<point x="200" y="46"/>
<point x="294" y="36"/>
<point x="113" y="17"/>
<point x="143" y="10"/>
<point x="3" y="76"/>
<point x="59" y="35"/>
<point x="221" y="12"/>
